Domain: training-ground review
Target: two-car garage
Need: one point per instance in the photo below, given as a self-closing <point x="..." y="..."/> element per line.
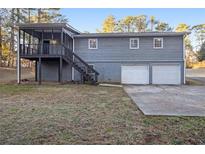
<point x="151" y="74"/>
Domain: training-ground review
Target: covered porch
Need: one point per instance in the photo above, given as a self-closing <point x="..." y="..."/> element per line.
<point x="42" y="43"/>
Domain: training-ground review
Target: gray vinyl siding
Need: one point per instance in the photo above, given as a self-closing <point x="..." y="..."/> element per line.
<point x="50" y="71"/>
<point x="111" y="71"/>
<point x="117" y="49"/>
<point x="114" y="52"/>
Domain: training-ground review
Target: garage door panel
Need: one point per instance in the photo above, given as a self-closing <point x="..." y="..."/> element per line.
<point x="166" y="74"/>
<point x="135" y="74"/>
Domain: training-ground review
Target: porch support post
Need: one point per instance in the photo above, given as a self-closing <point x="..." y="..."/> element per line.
<point x="52" y="34"/>
<point x="36" y="70"/>
<point x="29" y="44"/>
<point x="42" y="42"/>
<point x="52" y="45"/>
<point x="33" y="46"/>
<point x="62" y="37"/>
<point x="39" y="46"/>
<point x="39" y="71"/>
<point x="24" y="48"/>
<point x="61" y="42"/>
<point x="60" y="70"/>
<point x="18" y="58"/>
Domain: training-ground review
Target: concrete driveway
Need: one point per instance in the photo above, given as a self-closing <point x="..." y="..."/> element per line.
<point x="169" y="100"/>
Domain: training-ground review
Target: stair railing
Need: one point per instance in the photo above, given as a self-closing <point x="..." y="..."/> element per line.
<point x="80" y="62"/>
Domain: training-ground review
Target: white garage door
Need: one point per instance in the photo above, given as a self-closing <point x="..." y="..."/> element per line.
<point x="166" y="74"/>
<point x="135" y="74"/>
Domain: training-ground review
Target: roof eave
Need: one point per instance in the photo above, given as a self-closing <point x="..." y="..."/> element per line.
<point x="131" y="34"/>
<point x="48" y="25"/>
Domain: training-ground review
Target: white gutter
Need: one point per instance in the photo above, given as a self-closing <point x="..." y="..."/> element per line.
<point x="69" y="26"/>
<point x="67" y="32"/>
<point x="131" y="34"/>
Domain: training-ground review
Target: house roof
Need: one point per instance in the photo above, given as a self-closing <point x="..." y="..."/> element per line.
<point x="131" y="34"/>
<point x="78" y="34"/>
<point x="48" y="25"/>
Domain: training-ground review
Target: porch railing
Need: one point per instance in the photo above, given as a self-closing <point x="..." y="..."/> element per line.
<point x="39" y="49"/>
<point x="79" y="62"/>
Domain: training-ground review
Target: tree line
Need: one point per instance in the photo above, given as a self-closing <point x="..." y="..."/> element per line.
<point x="143" y="23"/>
<point x="140" y="23"/>
<point x="9" y="18"/>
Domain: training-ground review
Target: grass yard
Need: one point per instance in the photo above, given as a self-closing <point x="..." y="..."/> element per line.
<point x="84" y="114"/>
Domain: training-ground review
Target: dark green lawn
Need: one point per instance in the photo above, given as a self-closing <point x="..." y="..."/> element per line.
<point x="84" y="114"/>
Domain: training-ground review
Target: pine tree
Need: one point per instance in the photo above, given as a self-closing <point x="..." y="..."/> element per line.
<point x="49" y="15"/>
<point x="152" y="21"/>
<point x="199" y="31"/>
<point x="182" y="27"/>
<point x="163" y="27"/>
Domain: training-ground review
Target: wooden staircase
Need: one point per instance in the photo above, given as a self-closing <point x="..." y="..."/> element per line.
<point x="88" y="74"/>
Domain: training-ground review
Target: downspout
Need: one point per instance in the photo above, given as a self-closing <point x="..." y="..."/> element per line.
<point x="184" y="58"/>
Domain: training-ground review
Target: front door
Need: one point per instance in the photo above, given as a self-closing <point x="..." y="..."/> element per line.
<point x="46" y="45"/>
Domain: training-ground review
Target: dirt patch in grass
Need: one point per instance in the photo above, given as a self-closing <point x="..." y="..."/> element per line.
<point x="84" y="114"/>
<point x="8" y="75"/>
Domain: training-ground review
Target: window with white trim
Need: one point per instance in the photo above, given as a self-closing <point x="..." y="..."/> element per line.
<point x="158" y="43"/>
<point x="134" y="43"/>
<point x="92" y="43"/>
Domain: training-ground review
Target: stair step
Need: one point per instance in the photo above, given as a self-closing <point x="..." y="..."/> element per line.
<point x="78" y="67"/>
